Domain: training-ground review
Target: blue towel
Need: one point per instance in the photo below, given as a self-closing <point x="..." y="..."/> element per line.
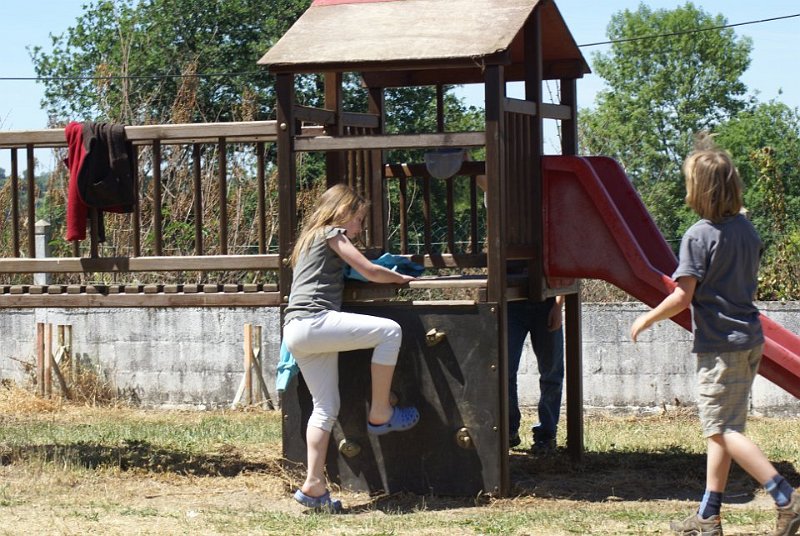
<point x="395" y="263"/>
<point x="287" y="369"/>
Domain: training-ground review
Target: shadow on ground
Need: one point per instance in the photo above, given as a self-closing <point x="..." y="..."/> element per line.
<point x="671" y="474"/>
<point x="138" y="455"/>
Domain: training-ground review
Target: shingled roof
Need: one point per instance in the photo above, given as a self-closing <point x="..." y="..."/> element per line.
<point x="417" y="39"/>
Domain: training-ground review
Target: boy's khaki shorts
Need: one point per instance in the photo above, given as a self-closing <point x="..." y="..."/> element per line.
<point x="725" y="380"/>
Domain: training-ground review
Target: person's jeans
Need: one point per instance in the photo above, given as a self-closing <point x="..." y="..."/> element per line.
<point x="526" y="317"/>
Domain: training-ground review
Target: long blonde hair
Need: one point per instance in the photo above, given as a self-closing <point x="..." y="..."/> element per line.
<point x="336" y="206"/>
<point x="713" y="186"/>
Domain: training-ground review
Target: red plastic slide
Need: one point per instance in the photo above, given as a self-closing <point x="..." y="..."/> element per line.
<point x="597" y="227"/>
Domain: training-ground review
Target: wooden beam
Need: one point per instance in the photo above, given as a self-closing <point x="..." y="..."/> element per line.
<point x="447" y="260"/>
<point x="393" y="141"/>
<point x="439" y="65"/>
<point x="519" y="106"/>
<point x="140" y="264"/>
<point x="320" y="116"/>
<point x="556" y="111"/>
<point x="552" y="70"/>
<point x="360" y="120"/>
<point x="184" y="133"/>
<point x="200" y="299"/>
<point x="394" y="171"/>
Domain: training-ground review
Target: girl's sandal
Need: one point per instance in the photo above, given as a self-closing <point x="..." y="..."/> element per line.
<point x="323" y="503"/>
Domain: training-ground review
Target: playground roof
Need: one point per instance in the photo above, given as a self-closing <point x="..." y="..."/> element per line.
<point x="419" y="42"/>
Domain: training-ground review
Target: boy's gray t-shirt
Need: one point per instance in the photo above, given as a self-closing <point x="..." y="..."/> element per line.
<point x="318" y="279"/>
<point x="724" y="257"/>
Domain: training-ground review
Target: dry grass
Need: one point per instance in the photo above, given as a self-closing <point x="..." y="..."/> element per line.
<point x="71" y="469"/>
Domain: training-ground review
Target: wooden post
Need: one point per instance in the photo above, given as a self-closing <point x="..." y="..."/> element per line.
<point x="287" y="186"/>
<point x="574" y="374"/>
<point x="379" y="201"/>
<point x="40" y="357"/>
<point x="222" y="185"/>
<point x="252" y="368"/>
<point x="157" y="219"/>
<point x="31" y="194"/>
<point x="496" y="259"/>
<point x="255" y="361"/>
<point x="197" y="202"/>
<point x="335" y="160"/>
<point x="137" y="210"/>
<point x="248" y="361"/>
<point x="533" y="93"/>
<point x="572" y="329"/>
<point x="73" y="362"/>
<point x="14" y="203"/>
<point x="48" y="359"/>
<point x="59" y="357"/>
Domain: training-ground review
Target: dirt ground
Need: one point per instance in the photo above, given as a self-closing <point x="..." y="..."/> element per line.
<point x="256" y="499"/>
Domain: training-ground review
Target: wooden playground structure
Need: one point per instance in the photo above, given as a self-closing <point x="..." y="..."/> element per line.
<point x="454" y="357"/>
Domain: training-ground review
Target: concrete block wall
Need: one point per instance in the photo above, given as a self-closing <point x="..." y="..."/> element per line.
<point x="659" y="370"/>
<point x="193" y="357"/>
<point x="183" y="357"/>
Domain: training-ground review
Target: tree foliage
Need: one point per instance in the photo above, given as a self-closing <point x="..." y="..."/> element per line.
<point x="663" y="86"/>
<point x="153" y="43"/>
<point x="135" y="61"/>
<point x="671" y="74"/>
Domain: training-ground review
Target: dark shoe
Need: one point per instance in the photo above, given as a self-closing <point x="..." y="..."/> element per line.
<point x="402" y="419"/>
<point x="514" y="441"/>
<point x="543" y="447"/>
<point x="697" y="526"/>
<point x="788" y="517"/>
<point x="323" y="503"/>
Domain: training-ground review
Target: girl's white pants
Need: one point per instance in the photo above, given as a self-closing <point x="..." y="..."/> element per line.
<point x="315" y="343"/>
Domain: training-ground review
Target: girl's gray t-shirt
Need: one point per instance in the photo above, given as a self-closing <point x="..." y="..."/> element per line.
<point x="724" y="257"/>
<point x="318" y="280"/>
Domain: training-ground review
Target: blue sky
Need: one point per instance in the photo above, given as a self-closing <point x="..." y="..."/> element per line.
<point x="774" y="65"/>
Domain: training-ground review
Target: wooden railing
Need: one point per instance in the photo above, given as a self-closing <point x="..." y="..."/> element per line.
<point x="145" y="249"/>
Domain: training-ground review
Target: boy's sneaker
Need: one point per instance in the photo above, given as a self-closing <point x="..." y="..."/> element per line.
<point x="788" y="517"/>
<point x="514" y="441"/>
<point x="698" y="526"/>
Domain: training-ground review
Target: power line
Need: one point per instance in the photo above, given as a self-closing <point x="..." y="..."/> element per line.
<point x="255" y="73"/>
<point x="685" y="32"/>
<point x="129" y="77"/>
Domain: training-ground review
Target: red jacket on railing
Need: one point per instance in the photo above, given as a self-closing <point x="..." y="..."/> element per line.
<point x="101" y="174"/>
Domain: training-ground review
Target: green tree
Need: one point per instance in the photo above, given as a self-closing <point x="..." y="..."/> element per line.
<point x="669" y="74"/>
<point x="132" y="61"/>
<point x="775" y="126"/>
<point x="765" y="144"/>
<point x="153" y="43"/>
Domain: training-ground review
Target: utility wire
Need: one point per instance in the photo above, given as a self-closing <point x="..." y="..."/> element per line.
<point x="254" y="73"/>
<point x="129" y="77"/>
<point x="685" y="32"/>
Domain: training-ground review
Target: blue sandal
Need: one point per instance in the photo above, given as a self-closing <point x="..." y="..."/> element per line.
<point x="402" y="419"/>
<point x="322" y="503"/>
